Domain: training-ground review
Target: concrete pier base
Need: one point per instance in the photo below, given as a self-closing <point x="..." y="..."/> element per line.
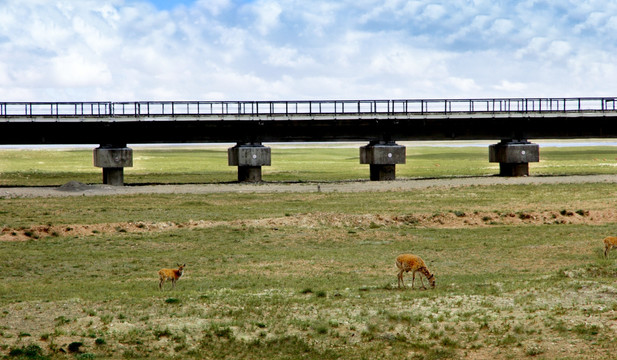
<point x="383" y="172"/>
<point x="113" y="159"/>
<point x="113" y="176"/>
<point x="514" y="156"/>
<point x="249" y="158"/>
<point x="382" y="158"/>
<point x="249" y="173"/>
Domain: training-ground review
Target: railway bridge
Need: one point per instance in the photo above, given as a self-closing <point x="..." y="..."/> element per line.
<point x="512" y="123"/>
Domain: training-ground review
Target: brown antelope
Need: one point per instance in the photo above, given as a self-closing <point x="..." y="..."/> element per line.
<point x="170" y="274"/>
<point x="609" y="243"/>
<point x="410" y="262"/>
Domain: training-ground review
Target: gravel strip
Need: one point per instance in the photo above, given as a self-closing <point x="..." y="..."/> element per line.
<point x="74" y="188"/>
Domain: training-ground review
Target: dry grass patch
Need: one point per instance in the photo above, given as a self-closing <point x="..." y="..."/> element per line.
<point x="451" y="219"/>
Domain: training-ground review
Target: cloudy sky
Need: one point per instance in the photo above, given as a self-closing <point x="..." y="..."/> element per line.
<point x="125" y="50"/>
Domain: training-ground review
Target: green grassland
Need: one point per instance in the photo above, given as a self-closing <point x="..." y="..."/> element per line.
<point x="310" y="275"/>
<point x="303" y="163"/>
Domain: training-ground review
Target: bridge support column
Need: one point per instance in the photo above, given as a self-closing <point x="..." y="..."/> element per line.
<point x="514" y="156"/>
<point x="113" y="159"/>
<point x="382" y="157"/>
<point x="249" y="158"/>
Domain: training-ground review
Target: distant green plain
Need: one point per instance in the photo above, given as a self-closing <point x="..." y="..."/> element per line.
<point x="208" y="164"/>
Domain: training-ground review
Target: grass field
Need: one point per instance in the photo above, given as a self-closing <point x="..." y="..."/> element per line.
<point x="302" y="163"/>
<point x="520" y="272"/>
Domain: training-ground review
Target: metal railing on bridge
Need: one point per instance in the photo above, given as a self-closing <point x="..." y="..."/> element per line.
<point x="145" y="109"/>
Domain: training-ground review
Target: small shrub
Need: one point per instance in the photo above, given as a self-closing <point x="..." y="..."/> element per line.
<point x="524" y="216"/>
<point x="162" y="333"/>
<point x="172" y="301"/>
<point x="131" y="354"/>
<point x="447" y="342"/>
<point x="459" y="213"/>
<point x="321" y="329"/>
<point x="509" y="339"/>
<point x="534" y="350"/>
<point x="374" y="226"/>
<point x="61" y="320"/>
<point x="584" y="329"/>
<point x="224" y="332"/>
<point x="107" y="318"/>
<point x="99" y="341"/>
<point x="306" y="291"/>
<point x="74" y="346"/>
<point x="320" y="294"/>
<point x="85" y="356"/>
<point x="410" y="220"/>
<point x="440" y="354"/>
<point x="29" y="352"/>
<point x="435" y="335"/>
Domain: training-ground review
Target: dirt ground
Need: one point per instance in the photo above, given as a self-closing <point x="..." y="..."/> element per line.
<point x="78" y="189"/>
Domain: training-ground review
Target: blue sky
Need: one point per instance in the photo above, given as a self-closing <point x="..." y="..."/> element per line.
<point x="126" y="50"/>
<point x="170" y="4"/>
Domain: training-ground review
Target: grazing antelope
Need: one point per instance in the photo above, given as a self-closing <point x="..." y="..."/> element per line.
<point x="170" y="274"/>
<point x="410" y="262"/>
<point x="609" y="243"/>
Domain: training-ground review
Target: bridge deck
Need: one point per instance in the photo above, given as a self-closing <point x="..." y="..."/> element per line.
<point x="147" y="109"/>
<point x="281" y="121"/>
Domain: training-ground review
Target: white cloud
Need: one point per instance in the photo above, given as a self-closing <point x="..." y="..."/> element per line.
<point x="535" y="47"/>
<point x="463" y="85"/>
<point x="286" y="57"/>
<point x="318" y="16"/>
<point x="409" y="62"/>
<point x="511" y="87"/>
<point x="502" y="27"/>
<point x="108" y="12"/>
<point x="434" y="11"/>
<point x="266" y="14"/>
<point x="611" y="24"/>
<point x="75" y="70"/>
<point x="281" y="49"/>
<point x="594" y="21"/>
<point x="214" y="7"/>
<point x="558" y="49"/>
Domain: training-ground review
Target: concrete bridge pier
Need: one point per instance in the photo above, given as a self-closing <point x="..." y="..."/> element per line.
<point x="113" y="158"/>
<point x="249" y="158"/>
<point x="514" y="156"/>
<point x="382" y="157"/>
